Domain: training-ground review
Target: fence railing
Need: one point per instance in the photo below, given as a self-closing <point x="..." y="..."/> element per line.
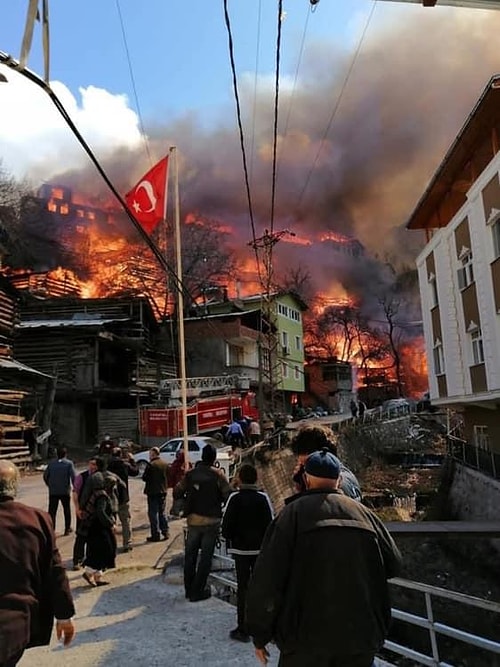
<point x="484" y="460"/>
<point x="436" y="629"/>
<point x="224" y="578"/>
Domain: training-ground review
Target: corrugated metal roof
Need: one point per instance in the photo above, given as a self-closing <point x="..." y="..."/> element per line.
<point x="36" y="324"/>
<point x="13" y="365"/>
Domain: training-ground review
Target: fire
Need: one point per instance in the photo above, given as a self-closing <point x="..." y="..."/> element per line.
<point x="297" y="240"/>
<point x="335" y="237"/>
<point x="108" y="259"/>
<point x="336" y="296"/>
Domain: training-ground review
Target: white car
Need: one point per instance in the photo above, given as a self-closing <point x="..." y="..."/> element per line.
<point x="169" y="449"/>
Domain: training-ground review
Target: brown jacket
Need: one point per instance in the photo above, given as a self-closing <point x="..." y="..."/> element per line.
<point x="34" y="587"/>
<point x="156" y="477"/>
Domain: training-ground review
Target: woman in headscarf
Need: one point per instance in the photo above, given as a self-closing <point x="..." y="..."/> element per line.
<point x="98" y="521"/>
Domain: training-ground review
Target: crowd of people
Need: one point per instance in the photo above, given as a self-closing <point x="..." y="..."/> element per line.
<point x="312" y="579"/>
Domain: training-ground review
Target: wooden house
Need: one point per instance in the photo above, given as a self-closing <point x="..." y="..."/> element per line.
<point x="106" y="357"/>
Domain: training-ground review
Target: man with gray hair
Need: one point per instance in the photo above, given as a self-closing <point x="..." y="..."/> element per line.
<point x="34" y="587"/>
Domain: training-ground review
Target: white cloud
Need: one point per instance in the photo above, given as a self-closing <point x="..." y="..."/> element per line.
<point x="34" y="138"/>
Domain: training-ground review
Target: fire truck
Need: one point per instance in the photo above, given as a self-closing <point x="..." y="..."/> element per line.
<point x="212" y="403"/>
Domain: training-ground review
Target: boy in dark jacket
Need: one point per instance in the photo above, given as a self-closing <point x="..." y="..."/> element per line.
<point x="247" y="515"/>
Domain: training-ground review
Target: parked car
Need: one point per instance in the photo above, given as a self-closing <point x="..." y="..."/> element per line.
<point x="396" y="405"/>
<point x="169" y="449"/>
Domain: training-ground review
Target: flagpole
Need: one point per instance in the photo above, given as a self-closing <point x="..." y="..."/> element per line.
<point x="180" y="307"/>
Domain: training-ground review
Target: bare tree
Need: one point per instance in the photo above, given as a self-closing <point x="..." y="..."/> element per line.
<point x="298" y="280"/>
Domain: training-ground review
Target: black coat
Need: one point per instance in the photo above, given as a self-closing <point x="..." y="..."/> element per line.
<point x="247" y="514"/>
<point x="34" y="587"/>
<point x="204" y="489"/>
<point x="321" y="578"/>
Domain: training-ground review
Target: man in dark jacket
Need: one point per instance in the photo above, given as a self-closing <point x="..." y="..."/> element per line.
<point x="124" y="467"/>
<point x="33" y="583"/>
<point x="319" y="587"/>
<point x="59" y="476"/>
<point x="156" y="485"/>
<point x="205" y="489"/>
<point x="247" y="514"/>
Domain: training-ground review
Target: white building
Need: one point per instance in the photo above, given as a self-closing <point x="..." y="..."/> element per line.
<point x="459" y="273"/>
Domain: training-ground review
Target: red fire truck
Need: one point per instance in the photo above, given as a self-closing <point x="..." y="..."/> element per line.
<point x="205" y="415"/>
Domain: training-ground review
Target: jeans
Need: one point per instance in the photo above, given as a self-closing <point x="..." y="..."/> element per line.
<point x="156" y="514"/>
<point x="124" y="516"/>
<point x="244" y="567"/>
<point x="53" y="505"/>
<point x="196" y="572"/>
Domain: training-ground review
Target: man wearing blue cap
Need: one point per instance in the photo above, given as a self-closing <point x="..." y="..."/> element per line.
<point x="319" y="588"/>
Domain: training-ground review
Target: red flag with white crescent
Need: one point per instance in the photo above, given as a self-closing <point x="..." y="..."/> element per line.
<point x="147" y="200"/>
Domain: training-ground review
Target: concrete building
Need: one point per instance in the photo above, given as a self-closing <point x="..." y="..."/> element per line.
<point x="459" y="274"/>
<point x="282" y="352"/>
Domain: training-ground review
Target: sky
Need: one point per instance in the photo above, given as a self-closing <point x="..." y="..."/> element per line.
<point x="178" y="54"/>
<point x="371" y="96"/>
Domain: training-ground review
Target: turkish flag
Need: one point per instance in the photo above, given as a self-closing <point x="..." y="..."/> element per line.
<point x="147" y="200"/>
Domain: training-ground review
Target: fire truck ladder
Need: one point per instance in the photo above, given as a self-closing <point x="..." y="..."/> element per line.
<point x="205" y="385"/>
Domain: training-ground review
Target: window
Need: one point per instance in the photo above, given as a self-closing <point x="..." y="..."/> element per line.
<point x="284" y="338"/>
<point x="495" y="230"/>
<point x="438" y="358"/>
<point x="298" y="343"/>
<point x="297" y="373"/>
<point x="234" y="355"/>
<point x="433" y="288"/>
<point x="481" y="437"/>
<point x="285" y="370"/>
<point x="477" y="347"/>
<point x="466" y="271"/>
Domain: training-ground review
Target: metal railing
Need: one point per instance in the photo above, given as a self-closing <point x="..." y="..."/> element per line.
<point x="436" y="629"/>
<point x="224" y="578"/>
<point x="484" y="460"/>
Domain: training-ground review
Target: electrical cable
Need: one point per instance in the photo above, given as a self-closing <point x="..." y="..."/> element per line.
<point x="132" y="78"/>
<point x="240" y="128"/>
<point x="276" y="108"/>
<point x="337" y="104"/>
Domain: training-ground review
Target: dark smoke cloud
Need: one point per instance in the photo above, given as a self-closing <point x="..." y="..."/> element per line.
<point x="414" y="83"/>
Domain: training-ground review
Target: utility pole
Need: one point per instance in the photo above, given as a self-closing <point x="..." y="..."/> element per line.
<point x="270" y="372"/>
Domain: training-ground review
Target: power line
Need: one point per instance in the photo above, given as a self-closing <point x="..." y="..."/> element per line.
<point x="132" y="78"/>
<point x="337" y="104"/>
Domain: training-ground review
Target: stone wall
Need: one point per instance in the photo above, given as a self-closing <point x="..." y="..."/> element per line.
<point x="473" y="496"/>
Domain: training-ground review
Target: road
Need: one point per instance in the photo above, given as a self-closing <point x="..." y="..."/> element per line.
<point x="142" y="617"/>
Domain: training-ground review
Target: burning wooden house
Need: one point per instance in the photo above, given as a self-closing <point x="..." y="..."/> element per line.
<point x="105" y="355"/>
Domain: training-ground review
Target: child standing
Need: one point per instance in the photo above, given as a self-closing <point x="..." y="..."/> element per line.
<point x="247" y="514"/>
